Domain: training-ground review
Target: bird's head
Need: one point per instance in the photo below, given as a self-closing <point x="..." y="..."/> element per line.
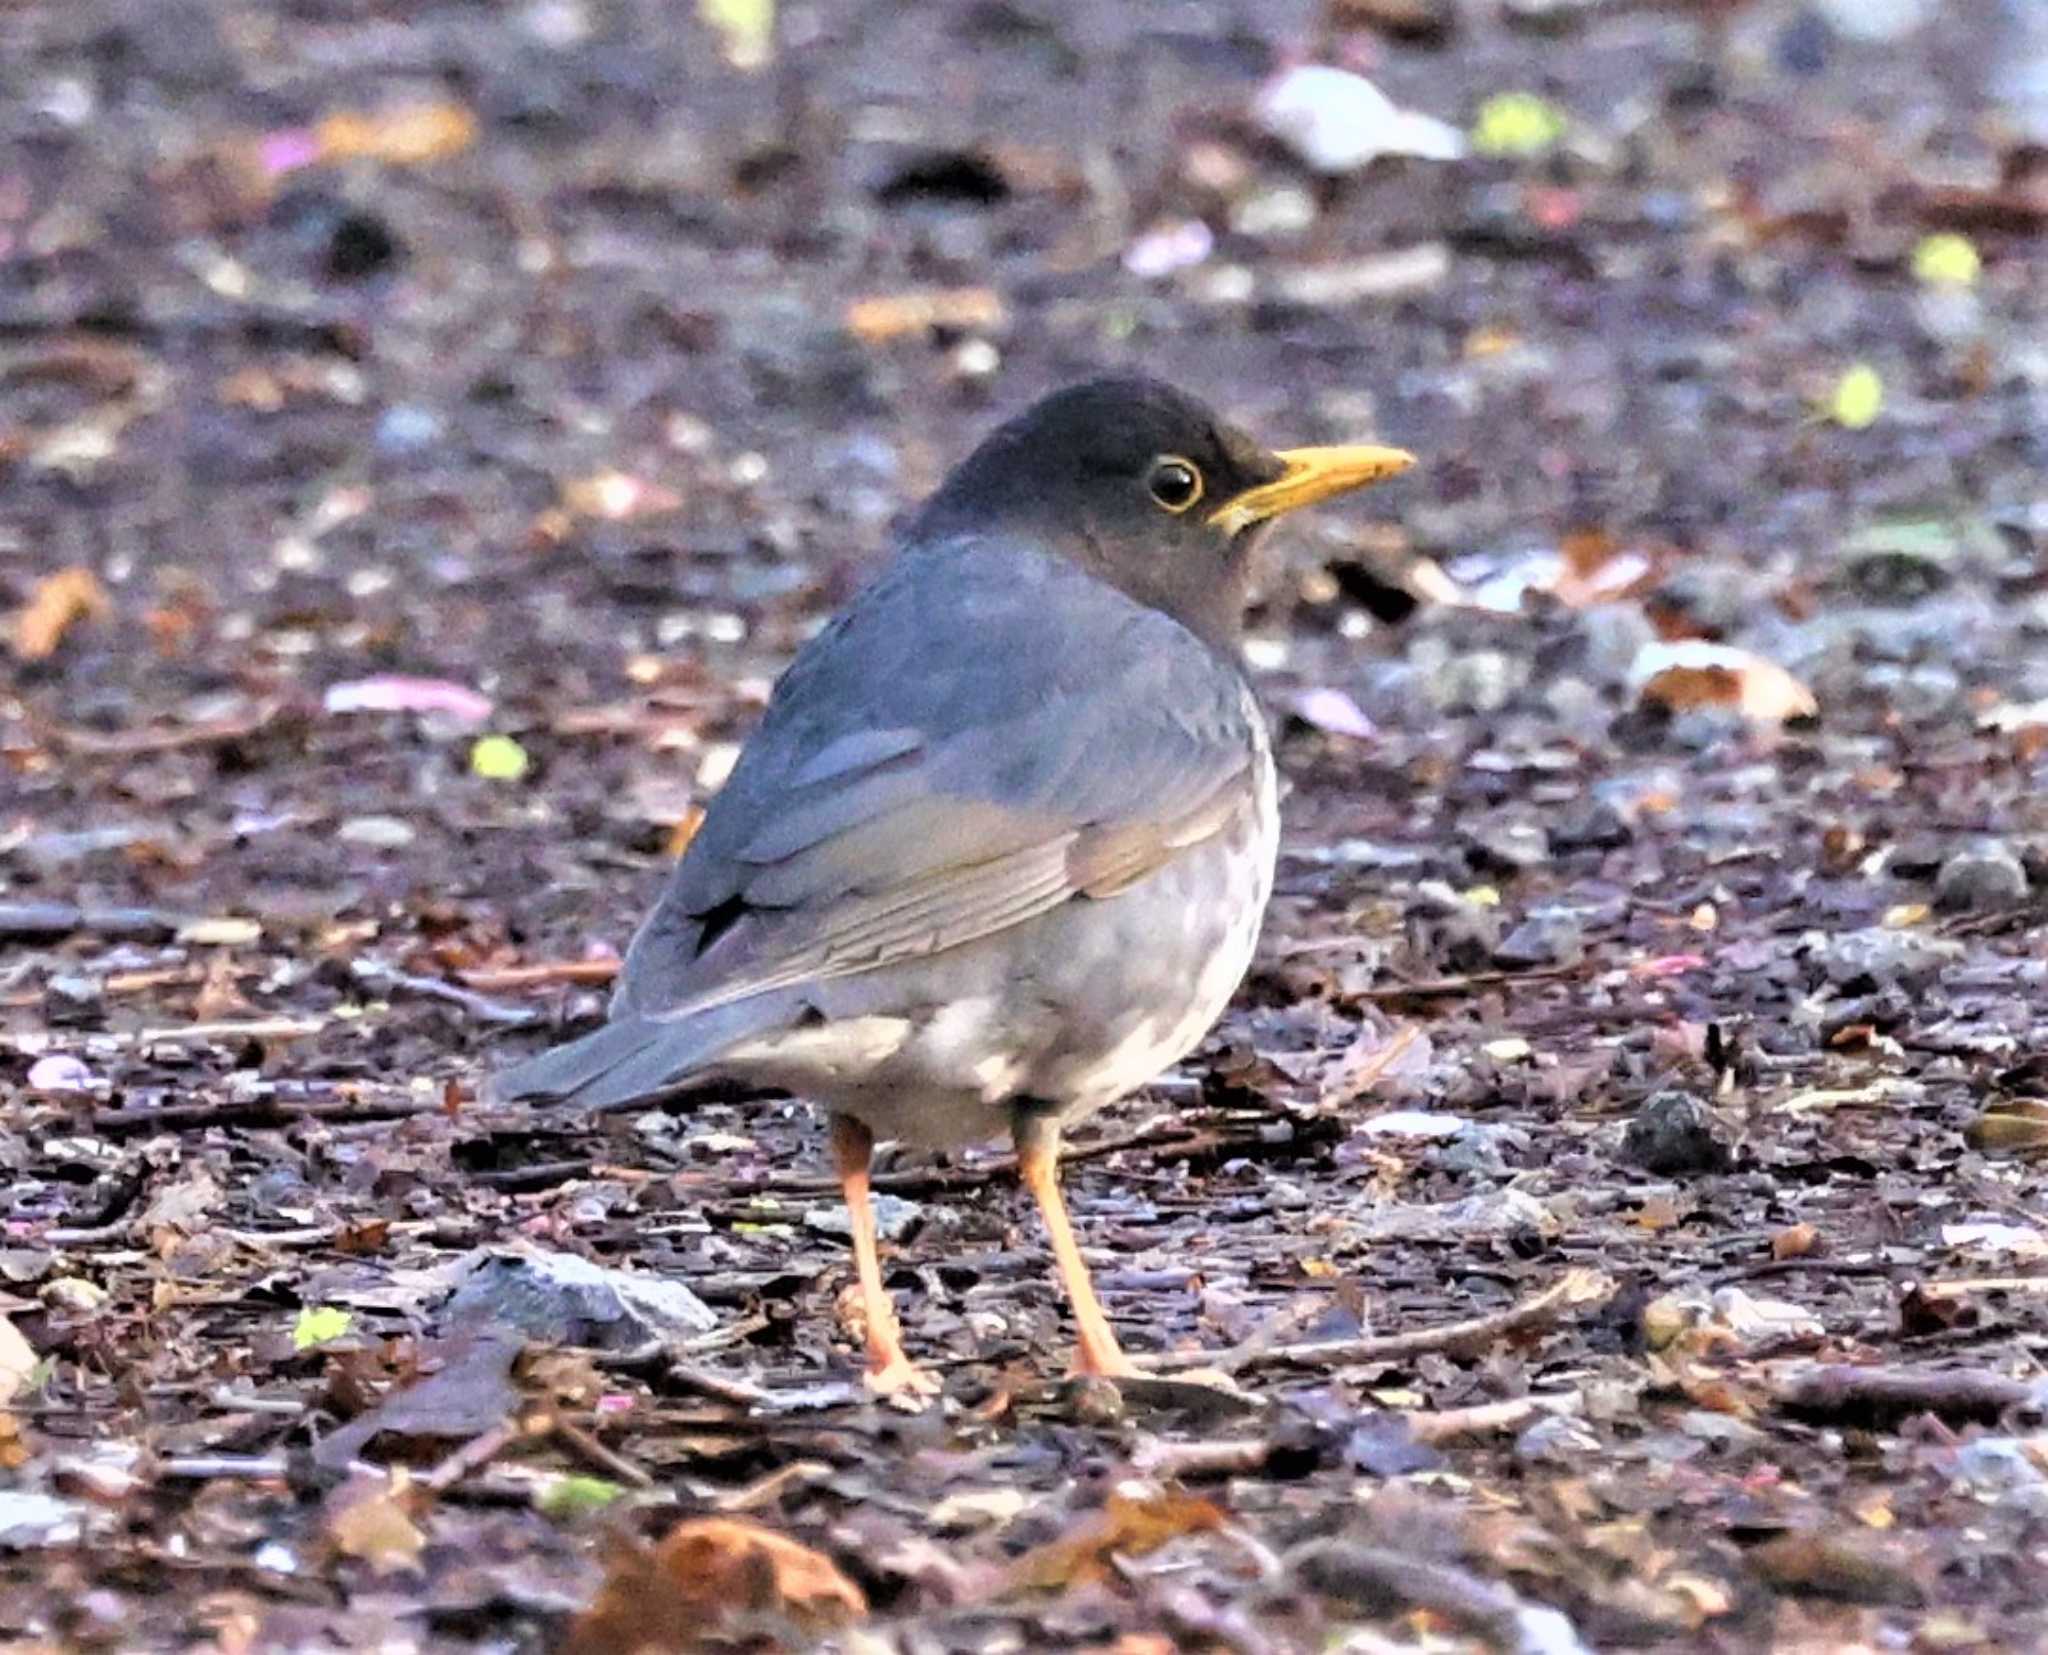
<point x="1148" y="489"/>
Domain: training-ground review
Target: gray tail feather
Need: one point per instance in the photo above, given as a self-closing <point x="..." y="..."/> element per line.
<point x="626" y="1061"/>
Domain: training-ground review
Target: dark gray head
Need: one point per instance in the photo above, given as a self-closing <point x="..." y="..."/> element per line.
<point x="1148" y="489"/>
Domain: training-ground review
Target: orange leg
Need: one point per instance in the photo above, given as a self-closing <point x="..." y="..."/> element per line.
<point x="1038" y="1164"/>
<point x="889" y="1370"/>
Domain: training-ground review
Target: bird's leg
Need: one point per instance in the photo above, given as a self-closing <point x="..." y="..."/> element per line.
<point x="889" y="1370"/>
<point x="1038" y="1163"/>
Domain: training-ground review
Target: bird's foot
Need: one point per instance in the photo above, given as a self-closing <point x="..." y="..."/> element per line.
<point x="893" y="1375"/>
<point x="1094" y="1361"/>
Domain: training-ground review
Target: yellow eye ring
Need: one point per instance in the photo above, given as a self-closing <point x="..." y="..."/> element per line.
<point x="1176" y="484"/>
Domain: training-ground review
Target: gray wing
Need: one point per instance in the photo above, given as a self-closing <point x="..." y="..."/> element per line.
<point x="984" y="734"/>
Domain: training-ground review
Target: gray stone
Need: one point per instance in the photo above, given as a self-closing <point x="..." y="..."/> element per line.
<point x="1673" y="1133"/>
<point x="1985" y="874"/>
<point x="561" y="1299"/>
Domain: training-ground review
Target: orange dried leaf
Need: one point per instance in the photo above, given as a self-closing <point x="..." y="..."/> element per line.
<point x="885" y="316"/>
<point x="401" y="137"/>
<point x="713" y="1576"/>
<point x="1692" y="673"/>
<point x="58" y="603"/>
<point x="1130" y="1523"/>
<point x="1795" y="1241"/>
<point x="616" y="497"/>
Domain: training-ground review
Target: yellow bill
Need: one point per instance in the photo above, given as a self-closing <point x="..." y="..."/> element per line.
<point x="1312" y="474"/>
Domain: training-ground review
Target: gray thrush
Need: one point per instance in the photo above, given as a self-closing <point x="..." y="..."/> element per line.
<point x="999" y="850"/>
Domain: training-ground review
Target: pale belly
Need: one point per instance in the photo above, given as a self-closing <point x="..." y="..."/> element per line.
<point x="1073" y="1009"/>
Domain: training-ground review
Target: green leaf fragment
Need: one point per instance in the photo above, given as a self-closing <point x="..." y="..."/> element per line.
<point x="1517" y="123"/>
<point x="1947" y="260"/>
<point x="499" y="759"/>
<point x="317" y="1324"/>
<point x="1858" y="398"/>
<point x="569" y="1497"/>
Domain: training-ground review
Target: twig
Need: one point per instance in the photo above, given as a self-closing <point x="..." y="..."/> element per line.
<point x="542" y="974"/>
<point x="255" y="1028"/>
<point x="388" y="978"/>
<point x="137" y="742"/>
<point x="1879" y="1398"/>
<point x="719" y="1387"/>
<point x="1963" y="1287"/>
<point x="481" y="1449"/>
<point x="23" y="920"/>
<point x="206" y="1468"/>
<point x="1487" y="1419"/>
<point x="258" y="1111"/>
<point x="1383" y="1581"/>
<point x="1435" y="988"/>
<point x="604" y="1458"/>
<point x="1575" y="1289"/>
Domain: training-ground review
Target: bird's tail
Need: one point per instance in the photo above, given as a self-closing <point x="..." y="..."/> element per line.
<point x="629" y="1059"/>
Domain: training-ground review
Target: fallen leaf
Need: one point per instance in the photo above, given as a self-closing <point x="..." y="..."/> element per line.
<point x="990" y="1508"/>
<point x="1857" y="399"/>
<point x="318" y="1324"/>
<point x="713" y="1576"/>
<point x="1166" y="248"/>
<point x="1517" y="124"/>
<point x="371" y="1518"/>
<point x="1135" y="1520"/>
<point x="2012" y="1126"/>
<point x="745" y="30"/>
<point x="567" y="1498"/>
<point x="397" y="693"/>
<point x="1339" y="122"/>
<point x="1795" y="1241"/>
<point x="1693" y="673"/>
<point x="57" y="604"/>
<point x="1947" y="259"/>
<point x="17" y="1360"/>
<point x="1851" y="1564"/>
<point x="1334" y="712"/>
<point x="404" y="137"/>
<point x="882" y="317"/>
<point x="498" y="759"/>
<point x="616" y="497"/>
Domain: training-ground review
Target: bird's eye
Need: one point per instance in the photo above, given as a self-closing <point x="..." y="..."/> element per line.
<point x="1175" y="483"/>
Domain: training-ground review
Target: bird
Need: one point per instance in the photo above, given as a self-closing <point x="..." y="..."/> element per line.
<point x="998" y="852"/>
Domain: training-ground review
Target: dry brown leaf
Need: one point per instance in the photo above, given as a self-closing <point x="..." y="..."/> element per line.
<point x="1692" y="673"/>
<point x="885" y="316"/>
<point x="1795" y="1241"/>
<point x="713" y="1576"/>
<point x="57" y="604"/>
<point x="17" y="1360"/>
<point x="1132" y="1522"/>
<point x="2011" y="1126"/>
<point x="372" y="1518"/>
<point x="399" y="137"/>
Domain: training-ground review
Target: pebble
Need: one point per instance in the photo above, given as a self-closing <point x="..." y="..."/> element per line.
<point x="1882" y="958"/>
<point x="1673" y="1133"/>
<point x="1986" y="874"/>
<point x="1509" y="844"/>
<point x="1548" y="937"/>
<point x="894" y="1218"/>
<point x="378" y="832"/>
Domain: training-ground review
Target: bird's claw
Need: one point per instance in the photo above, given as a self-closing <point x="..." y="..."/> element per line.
<point x="895" y="1376"/>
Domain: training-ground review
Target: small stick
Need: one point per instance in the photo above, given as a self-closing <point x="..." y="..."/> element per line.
<point x="1574" y="1289"/>
<point x="1485" y="1419"/>
<point x="542" y="974"/>
<point x="604" y="1458"/>
<point x="1880" y="1398"/>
